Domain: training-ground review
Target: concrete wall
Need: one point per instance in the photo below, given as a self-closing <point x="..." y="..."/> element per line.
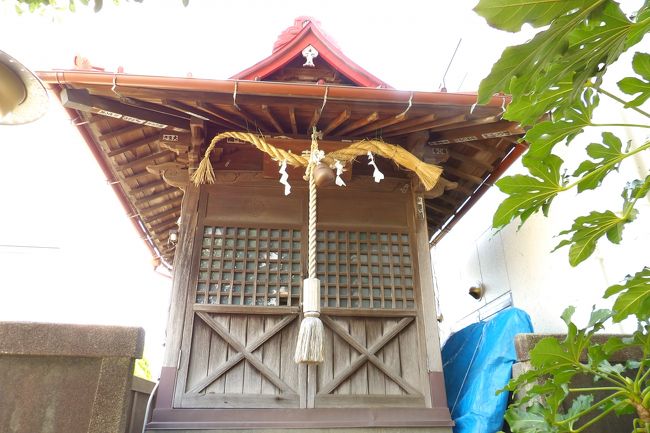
<point x="519" y="266"/>
<point x="66" y="378"/>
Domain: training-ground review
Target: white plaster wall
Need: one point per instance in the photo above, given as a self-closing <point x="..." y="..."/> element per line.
<point x="521" y="263"/>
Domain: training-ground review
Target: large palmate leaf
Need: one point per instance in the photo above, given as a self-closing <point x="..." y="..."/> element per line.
<point x="543" y="136"/>
<point x="510" y="15"/>
<point x="633" y="296"/>
<point x="528" y="62"/>
<point x="606" y="158"/>
<point x="633" y="85"/>
<point x="587" y="230"/>
<point x="577" y="47"/>
<point x="593" y="44"/>
<point x="529" y="194"/>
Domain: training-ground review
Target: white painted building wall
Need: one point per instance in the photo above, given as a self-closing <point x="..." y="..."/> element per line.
<point x="518" y="266"/>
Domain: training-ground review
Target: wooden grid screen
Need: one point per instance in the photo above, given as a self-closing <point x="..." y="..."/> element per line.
<point x="249" y="266"/>
<point x="365" y="269"/>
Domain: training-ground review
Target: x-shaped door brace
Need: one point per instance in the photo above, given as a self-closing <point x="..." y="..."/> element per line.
<point x="367" y="355"/>
<point x="245" y="352"/>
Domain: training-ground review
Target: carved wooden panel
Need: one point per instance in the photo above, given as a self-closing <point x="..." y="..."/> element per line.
<point x="241" y="360"/>
<point x="370" y="362"/>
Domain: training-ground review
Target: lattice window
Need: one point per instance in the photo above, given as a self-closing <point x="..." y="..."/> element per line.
<point x="365" y="269"/>
<point x="249" y="266"/>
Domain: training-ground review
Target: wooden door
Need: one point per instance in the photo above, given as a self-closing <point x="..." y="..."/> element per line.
<point x="242" y="316"/>
<point x="369" y="312"/>
<point x="241" y="323"/>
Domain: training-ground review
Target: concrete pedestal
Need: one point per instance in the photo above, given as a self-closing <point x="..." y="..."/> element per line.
<point x="58" y="378"/>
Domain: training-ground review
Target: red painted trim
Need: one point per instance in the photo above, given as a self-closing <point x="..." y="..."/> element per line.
<point x="165" y="395"/>
<point x="437" y="387"/>
<point x="327" y="51"/>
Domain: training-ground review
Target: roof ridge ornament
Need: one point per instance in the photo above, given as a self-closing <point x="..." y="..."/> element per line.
<point x="309" y="53"/>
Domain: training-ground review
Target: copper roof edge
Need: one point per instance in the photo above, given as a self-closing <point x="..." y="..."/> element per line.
<point x="265" y="88"/>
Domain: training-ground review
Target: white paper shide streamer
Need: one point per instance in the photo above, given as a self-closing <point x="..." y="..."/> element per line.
<point x="284" y="177"/>
<point x="339" y="171"/>
<point x="317" y="156"/>
<point x="378" y="175"/>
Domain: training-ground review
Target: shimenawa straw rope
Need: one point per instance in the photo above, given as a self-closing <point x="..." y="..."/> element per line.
<point x="428" y="173"/>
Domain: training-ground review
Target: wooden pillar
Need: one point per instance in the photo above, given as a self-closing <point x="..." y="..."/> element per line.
<point x="427" y="298"/>
<point x="184" y="250"/>
<point x="180" y="280"/>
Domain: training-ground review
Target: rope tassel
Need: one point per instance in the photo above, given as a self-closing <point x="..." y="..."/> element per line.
<point x="309" y="347"/>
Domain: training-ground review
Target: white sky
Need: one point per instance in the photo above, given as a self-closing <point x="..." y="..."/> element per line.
<point x="53" y="193"/>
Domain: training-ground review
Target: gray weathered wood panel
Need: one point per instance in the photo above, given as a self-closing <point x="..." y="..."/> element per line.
<point x="349" y="377"/>
<point x="245" y="367"/>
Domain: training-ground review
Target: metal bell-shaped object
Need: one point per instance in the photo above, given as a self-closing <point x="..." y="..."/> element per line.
<point x="323" y="175"/>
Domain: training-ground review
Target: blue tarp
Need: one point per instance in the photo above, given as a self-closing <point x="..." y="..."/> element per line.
<point x="477" y="361"/>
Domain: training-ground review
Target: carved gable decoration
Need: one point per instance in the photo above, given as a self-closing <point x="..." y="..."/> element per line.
<point x="304" y="53"/>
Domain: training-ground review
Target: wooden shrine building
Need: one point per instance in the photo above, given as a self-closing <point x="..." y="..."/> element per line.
<point x="239" y="246"/>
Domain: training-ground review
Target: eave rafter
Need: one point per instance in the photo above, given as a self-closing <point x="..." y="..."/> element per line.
<point x="153" y="163"/>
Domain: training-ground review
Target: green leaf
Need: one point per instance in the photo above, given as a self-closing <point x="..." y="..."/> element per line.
<point x="529" y="109"/>
<point x="598" y="317"/>
<point x="633" y="296"/>
<point x="636" y="189"/>
<point x="545" y="135"/>
<point x="613" y="345"/>
<point x="633" y="85"/>
<point x="553" y="357"/>
<point x="579" y="404"/>
<point x="528" y="420"/>
<point x="587" y="230"/>
<point x="529" y="194"/>
<point x="528" y="62"/>
<point x="607" y="157"/>
<point x="593" y="44"/>
<point x="567" y="314"/>
<point x="510" y="15"/>
<point x="642" y="25"/>
<point x="632" y="192"/>
<point x="606" y="367"/>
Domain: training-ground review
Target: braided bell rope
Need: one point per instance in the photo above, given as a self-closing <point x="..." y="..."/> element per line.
<point x="427" y="173"/>
<point x="312" y="207"/>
